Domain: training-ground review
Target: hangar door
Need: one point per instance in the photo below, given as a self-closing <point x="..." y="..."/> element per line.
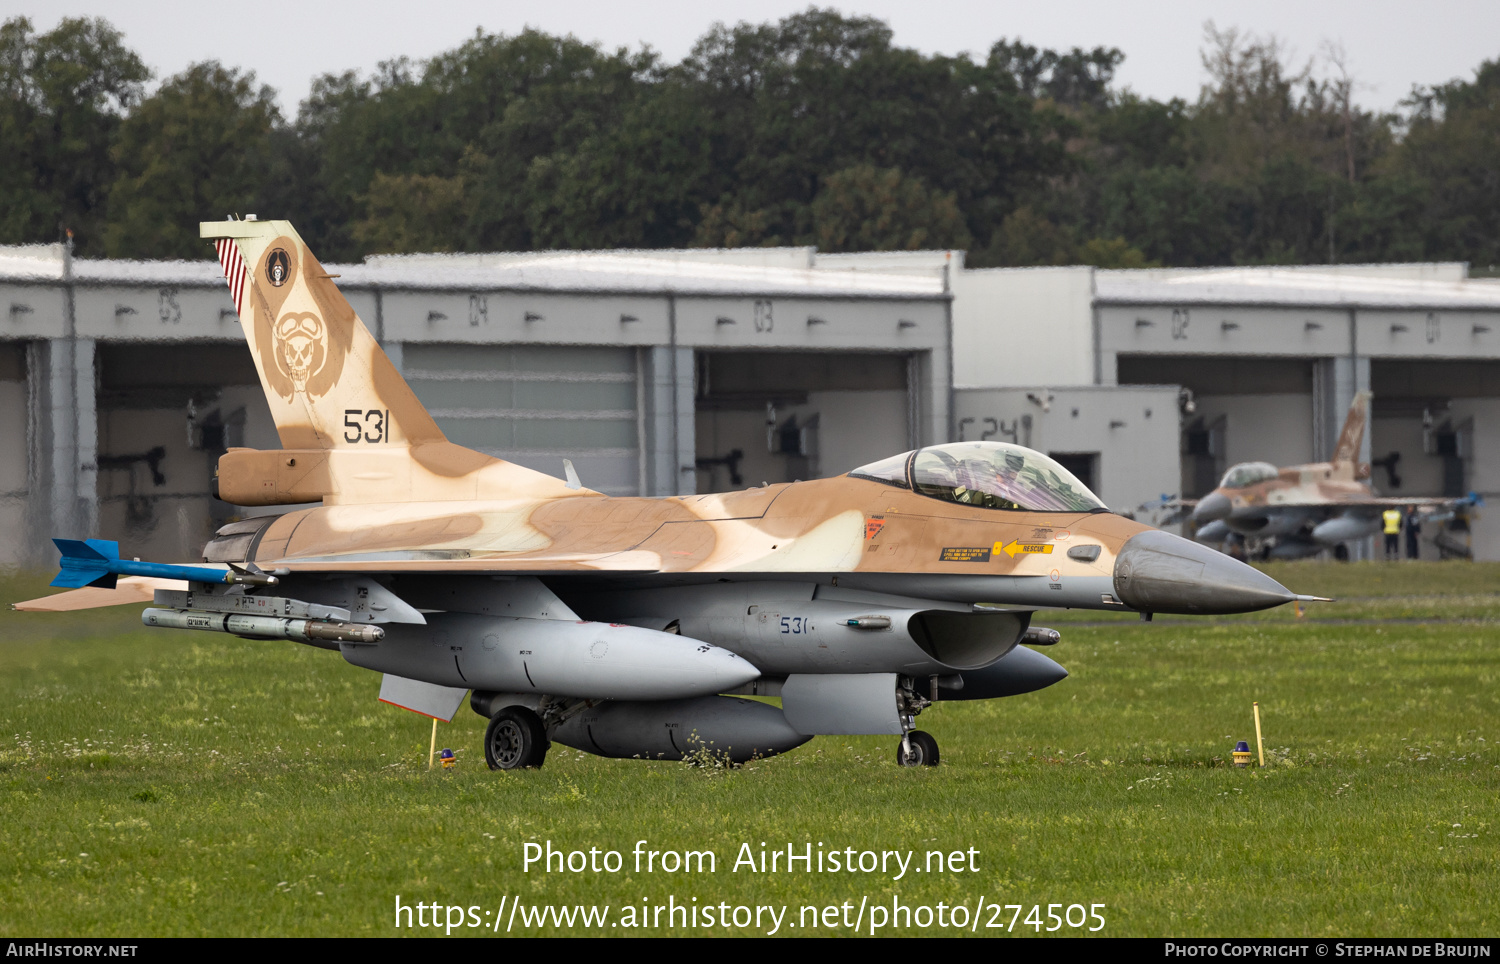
<point x="1428" y="421"/>
<point x="536" y="405"/>
<point x="14" y="484"/>
<point x="782" y="416"/>
<point x="166" y="412"/>
<point x="1239" y="409"/>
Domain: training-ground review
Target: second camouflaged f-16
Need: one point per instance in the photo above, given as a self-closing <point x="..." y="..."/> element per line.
<point x="1301" y="510"/>
<point x="620" y="626"/>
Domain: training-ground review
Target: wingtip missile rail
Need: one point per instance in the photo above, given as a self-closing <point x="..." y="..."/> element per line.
<point x="97" y="562"/>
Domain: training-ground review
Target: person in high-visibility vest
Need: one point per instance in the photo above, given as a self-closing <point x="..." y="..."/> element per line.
<point x="1392" y="519"/>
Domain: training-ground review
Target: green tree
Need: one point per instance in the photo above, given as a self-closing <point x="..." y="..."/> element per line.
<point x="64" y="94"/>
<point x="1447" y="170"/>
<point x="1027" y="238"/>
<point x="865" y="208"/>
<point x="410" y="213"/>
<point x="196" y="149"/>
<point x="790" y="103"/>
<point x="488" y="111"/>
<point x="634" y="183"/>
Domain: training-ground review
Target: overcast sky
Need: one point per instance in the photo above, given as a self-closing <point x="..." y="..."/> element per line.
<point x="1389" y="45"/>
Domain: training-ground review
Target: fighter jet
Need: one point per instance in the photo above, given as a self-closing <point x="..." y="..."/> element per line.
<point x="631" y="627"/>
<point x="1302" y="510"/>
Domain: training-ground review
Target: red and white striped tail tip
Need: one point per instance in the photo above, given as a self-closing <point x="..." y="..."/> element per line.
<point x="234" y="271"/>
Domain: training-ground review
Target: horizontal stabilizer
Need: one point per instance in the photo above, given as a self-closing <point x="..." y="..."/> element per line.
<point x="428" y="699"/>
<point x="131" y="590"/>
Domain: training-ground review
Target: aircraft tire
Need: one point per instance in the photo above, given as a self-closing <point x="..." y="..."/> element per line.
<point x="515" y="739"/>
<point x="923" y="750"/>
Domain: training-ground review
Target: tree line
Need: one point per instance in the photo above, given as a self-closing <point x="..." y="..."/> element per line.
<point x="817" y="129"/>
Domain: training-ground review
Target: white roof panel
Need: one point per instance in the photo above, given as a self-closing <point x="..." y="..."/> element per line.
<point x="563" y="272"/>
<point x="1303" y="287"/>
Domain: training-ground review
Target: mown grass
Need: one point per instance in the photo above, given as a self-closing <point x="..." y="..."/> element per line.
<point x="176" y="783"/>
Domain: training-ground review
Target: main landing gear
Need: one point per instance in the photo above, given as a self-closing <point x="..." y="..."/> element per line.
<point x="515" y="739"/>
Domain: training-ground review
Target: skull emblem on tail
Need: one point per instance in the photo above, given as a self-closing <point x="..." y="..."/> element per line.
<point x="300" y="347"/>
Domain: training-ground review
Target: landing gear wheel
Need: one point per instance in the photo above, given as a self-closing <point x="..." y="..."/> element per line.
<point x="919" y="749"/>
<point x="515" y="739"/>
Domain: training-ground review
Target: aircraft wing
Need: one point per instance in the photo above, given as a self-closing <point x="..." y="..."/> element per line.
<point x="1428" y="503"/>
<point x="468" y="562"/>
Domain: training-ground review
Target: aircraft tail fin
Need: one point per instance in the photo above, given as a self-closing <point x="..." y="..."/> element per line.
<point x="351" y="428"/>
<point x="1347" y="450"/>
<point x="329" y="384"/>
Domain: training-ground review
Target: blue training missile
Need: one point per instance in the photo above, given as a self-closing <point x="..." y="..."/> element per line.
<point x="97" y="562"/>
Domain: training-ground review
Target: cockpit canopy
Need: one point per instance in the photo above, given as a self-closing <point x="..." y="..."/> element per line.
<point x="1248" y="473"/>
<point x="992" y="475"/>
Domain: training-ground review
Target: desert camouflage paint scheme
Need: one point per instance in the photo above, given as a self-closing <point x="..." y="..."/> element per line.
<point x="615" y="624"/>
<point x="1300" y="510"/>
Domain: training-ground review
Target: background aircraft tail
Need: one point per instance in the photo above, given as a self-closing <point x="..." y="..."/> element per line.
<point x="1354" y="430"/>
<point x="351" y="428"/>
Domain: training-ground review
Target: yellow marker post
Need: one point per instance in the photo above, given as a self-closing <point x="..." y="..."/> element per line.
<point x="1258" y="744"/>
<point x="432" y="747"/>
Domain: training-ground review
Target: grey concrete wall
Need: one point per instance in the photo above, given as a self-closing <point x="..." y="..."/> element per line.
<point x="1031" y="326"/>
<point x="1263" y="428"/>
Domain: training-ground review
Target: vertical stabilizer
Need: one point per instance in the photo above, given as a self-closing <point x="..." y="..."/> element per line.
<point x="1347" y="451"/>
<point x="351" y="428"/>
<point x="328" y="383"/>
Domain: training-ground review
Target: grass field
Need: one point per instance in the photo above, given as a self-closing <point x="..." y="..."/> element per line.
<point x="178" y="783"/>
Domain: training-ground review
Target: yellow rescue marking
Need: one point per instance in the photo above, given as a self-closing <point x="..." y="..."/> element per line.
<point x="1045" y="548"/>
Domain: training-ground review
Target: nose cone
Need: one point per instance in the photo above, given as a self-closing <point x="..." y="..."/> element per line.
<point x="1158" y="572"/>
<point x="1211" y="508"/>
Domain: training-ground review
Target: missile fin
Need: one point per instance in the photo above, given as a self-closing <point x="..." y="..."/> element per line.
<point x="86" y="563"/>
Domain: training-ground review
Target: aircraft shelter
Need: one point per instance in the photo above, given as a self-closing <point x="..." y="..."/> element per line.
<point x="666" y="372"/>
<point x="1246" y="364"/>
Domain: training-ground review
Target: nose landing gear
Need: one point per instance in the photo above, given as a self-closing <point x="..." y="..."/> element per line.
<point x="917" y="749"/>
